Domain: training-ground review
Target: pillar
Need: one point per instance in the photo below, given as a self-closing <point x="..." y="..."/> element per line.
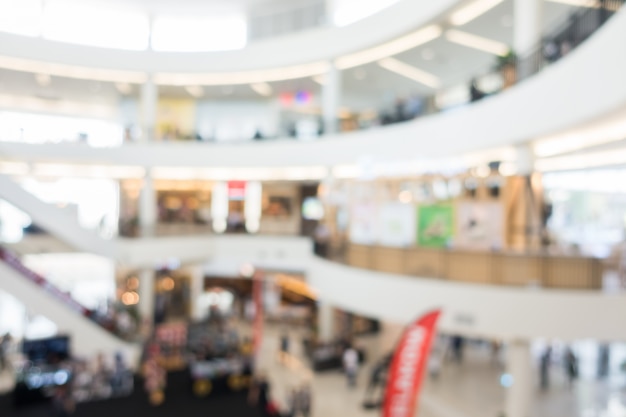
<point x="147" y="206"/>
<point x="331" y="99"/>
<point x="198" y="311"/>
<point x="325" y="322"/>
<point x="519" y="366"/>
<point x="146" y="296"/>
<point x="525" y="159"/>
<point x="149" y="101"/>
<point x="526" y="33"/>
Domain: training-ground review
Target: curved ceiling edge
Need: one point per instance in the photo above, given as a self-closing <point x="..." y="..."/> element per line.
<point x="295" y="49"/>
<point x="581" y="87"/>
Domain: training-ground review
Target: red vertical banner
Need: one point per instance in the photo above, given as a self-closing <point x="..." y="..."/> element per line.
<point x="257" y="327"/>
<point x="407" y="367"/>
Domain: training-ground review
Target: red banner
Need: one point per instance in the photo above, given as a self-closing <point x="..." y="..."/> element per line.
<point x="407" y="367"/>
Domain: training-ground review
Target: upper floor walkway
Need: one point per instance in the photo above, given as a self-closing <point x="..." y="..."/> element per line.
<point x="580" y="89"/>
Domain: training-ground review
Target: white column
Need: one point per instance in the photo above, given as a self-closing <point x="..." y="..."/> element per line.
<point x="526" y="31"/>
<point x="331" y="98"/>
<point x="525" y="162"/>
<point x="325" y="321"/>
<point x="147" y="206"/>
<point x="519" y="366"/>
<point x="196" y="290"/>
<point x="149" y="101"/>
<point x="146" y="296"/>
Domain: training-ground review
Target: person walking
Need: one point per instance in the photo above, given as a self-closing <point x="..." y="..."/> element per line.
<point x="571" y="366"/>
<point x="351" y="365"/>
<point x="544" y="368"/>
<point x="5" y="342"/>
<point x="304" y="400"/>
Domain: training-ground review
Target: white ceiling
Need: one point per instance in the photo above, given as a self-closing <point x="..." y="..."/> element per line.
<point x="195" y="6"/>
<point x="369" y="86"/>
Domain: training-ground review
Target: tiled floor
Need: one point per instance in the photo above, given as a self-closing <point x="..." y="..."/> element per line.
<point x="470" y="389"/>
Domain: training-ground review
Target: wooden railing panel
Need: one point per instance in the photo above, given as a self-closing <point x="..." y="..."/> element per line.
<point x="425" y="262"/>
<point x="518" y="270"/>
<point x="359" y="256"/>
<point x="390" y="260"/>
<point x="469" y="267"/>
<point x="496" y="268"/>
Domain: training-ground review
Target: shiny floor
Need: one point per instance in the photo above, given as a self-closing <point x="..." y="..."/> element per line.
<point x="469" y="389"/>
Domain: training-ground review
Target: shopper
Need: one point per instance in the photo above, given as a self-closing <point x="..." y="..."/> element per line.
<point x="259" y="394"/>
<point x="63" y="403"/>
<point x="305" y="400"/>
<point x="351" y="365"/>
<point x="5" y="343"/>
<point x="544" y="368"/>
<point x="571" y="366"/>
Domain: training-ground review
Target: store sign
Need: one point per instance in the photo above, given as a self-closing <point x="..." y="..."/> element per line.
<point x="435" y="225"/>
<point x="236" y="190"/>
<point x="408" y="366"/>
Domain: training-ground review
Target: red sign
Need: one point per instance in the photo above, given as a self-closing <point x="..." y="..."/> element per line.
<point x="236" y="190"/>
<point x="408" y="366"/>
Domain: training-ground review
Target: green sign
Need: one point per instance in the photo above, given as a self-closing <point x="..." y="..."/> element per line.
<point x="435" y="225"/>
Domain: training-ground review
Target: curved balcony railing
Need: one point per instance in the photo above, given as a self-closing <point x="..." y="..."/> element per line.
<point x="532" y="269"/>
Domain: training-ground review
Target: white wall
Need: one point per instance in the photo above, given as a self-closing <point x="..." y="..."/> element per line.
<point x="583" y="86"/>
<point x="227" y="121"/>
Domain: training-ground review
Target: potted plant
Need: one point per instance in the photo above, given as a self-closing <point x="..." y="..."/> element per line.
<point x="507" y="66"/>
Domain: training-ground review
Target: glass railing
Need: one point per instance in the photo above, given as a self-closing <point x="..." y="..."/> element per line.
<point x="106" y="323"/>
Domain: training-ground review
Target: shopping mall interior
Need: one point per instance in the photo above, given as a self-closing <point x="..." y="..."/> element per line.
<point x="317" y="208"/>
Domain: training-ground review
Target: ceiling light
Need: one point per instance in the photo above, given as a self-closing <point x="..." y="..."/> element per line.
<point x="43" y="80"/>
<point x="124" y="88"/>
<point x="472" y="11"/>
<point x="592" y="4"/>
<point x="245" y="77"/>
<point x="394" y="47"/>
<point x="482" y="171"/>
<point x="263" y="89"/>
<point x="477" y="42"/>
<point x="583" y="161"/>
<point x="71" y="71"/>
<point x="577" y="3"/>
<point x="580" y="139"/>
<point x="507" y="169"/>
<point x="196" y="91"/>
<point x="410" y="72"/>
<point x="320" y="79"/>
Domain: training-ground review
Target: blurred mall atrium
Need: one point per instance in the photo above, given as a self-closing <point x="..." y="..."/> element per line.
<point x="324" y="208"/>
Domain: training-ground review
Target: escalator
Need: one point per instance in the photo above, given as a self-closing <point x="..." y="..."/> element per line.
<point x="57" y="221"/>
<point x="73" y="319"/>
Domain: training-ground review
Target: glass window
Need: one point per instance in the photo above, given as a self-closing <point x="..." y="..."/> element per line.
<point x="195" y="34"/>
<point x="69" y="21"/>
<point x="347" y="12"/>
<point x="21" y="17"/>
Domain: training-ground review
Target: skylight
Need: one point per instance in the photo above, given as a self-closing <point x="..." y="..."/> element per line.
<point x="197" y="34"/>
